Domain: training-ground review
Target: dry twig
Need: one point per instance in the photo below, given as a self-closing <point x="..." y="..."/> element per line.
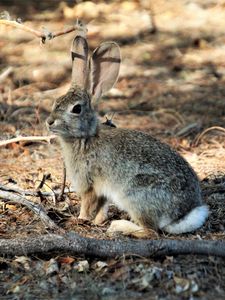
<point x="27" y="138"/>
<point x="76" y="245"/>
<point x="185" y="131"/>
<point x="154" y="28"/>
<point x="5" y="73"/>
<point x="63" y="184"/>
<point x="44" y="34"/>
<point x="36" y="208"/>
<point x="171" y="113"/>
<point x="199" y="137"/>
<point x="17" y="190"/>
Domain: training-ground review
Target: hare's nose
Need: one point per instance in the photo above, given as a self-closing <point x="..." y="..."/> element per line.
<point x="50" y="121"/>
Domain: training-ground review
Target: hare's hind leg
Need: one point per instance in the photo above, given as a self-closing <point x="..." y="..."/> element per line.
<point x="88" y="205"/>
<point x="101" y="211"/>
<point x="127" y="228"/>
<point x="93" y="207"/>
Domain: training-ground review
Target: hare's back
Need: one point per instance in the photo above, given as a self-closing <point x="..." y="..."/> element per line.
<point x="142" y="150"/>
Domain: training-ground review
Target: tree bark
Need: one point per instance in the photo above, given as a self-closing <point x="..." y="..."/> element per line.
<point x="74" y="244"/>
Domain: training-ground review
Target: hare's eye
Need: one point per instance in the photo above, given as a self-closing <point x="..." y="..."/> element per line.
<point x="76" y="109"/>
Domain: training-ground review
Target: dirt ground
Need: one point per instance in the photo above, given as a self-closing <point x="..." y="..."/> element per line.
<point x="171" y="85"/>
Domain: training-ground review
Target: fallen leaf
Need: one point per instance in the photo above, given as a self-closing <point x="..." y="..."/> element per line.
<point x="16" y="289"/>
<point x="150" y="274"/>
<point x="182" y="284"/>
<point x="82" y="266"/>
<point x="25" y="261"/>
<point x="52" y="267"/>
<point x="121" y="273"/>
<point x="66" y="260"/>
<point x="11" y="207"/>
<point x="99" y="265"/>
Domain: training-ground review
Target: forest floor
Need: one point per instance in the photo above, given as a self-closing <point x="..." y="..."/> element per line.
<point x="171" y="85"/>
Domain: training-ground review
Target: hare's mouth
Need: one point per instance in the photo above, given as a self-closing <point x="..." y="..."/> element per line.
<point x="56" y="131"/>
<point x="59" y="131"/>
<point x="53" y="129"/>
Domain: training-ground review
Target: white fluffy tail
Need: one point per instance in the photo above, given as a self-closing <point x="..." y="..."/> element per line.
<point x="192" y="221"/>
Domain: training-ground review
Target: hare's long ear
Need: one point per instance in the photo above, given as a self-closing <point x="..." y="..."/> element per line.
<point x="79" y="53"/>
<point x="105" y="65"/>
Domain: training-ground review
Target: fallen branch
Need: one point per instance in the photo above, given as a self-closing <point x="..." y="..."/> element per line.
<point x="15" y="189"/>
<point x="199" y="137"/>
<point x="27" y="138"/>
<point x="36" y="208"/>
<point x="43" y="35"/>
<point x="76" y="245"/>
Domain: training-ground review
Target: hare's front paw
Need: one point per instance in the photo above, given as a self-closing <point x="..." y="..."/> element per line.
<point x="100" y="218"/>
<point x="84" y="216"/>
<point x="102" y="214"/>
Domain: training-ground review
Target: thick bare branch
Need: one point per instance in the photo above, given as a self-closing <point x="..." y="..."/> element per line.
<point x="75" y="244"/>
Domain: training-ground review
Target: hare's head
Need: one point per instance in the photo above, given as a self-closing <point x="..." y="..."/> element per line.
<point x="73" y="115"/>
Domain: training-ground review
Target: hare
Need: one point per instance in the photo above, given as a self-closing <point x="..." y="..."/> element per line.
<point x="138" y="173"/>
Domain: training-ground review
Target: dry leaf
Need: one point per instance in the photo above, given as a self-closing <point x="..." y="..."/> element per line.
<point x="10" y="207"/>
<point x="182" y="284"/>
<point x="82" y="266"/>
<point x="16" y="289"/>
<point x="66" y="260"/>
<point x="149" y="275"/>
<point x="25" y="261"/>
<point x="99" y="265"/>
<point x="52" y="267"/>
<point x="121" y="273"/>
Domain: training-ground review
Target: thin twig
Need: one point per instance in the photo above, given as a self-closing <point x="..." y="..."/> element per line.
<point x="36" y="208"/>
<point x="27" y="138"/>
<point x="154" y="28"/>
<point x="63" y="183"/>
<point x="199" y="137"/>
<point x="185" y="131"/>
<point x="22" y="27"/>
<point x="45" y="34"/>
<point x="170" y="112"/>
<point x="42" y="183"/>
<point x="15" y="189"/>
<point x="43" y="180"/>
<point x="75" y="244"/>
<point x="5" y="73"/>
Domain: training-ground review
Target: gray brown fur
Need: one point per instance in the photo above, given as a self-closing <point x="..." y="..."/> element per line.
<point x="137" y="172"/>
